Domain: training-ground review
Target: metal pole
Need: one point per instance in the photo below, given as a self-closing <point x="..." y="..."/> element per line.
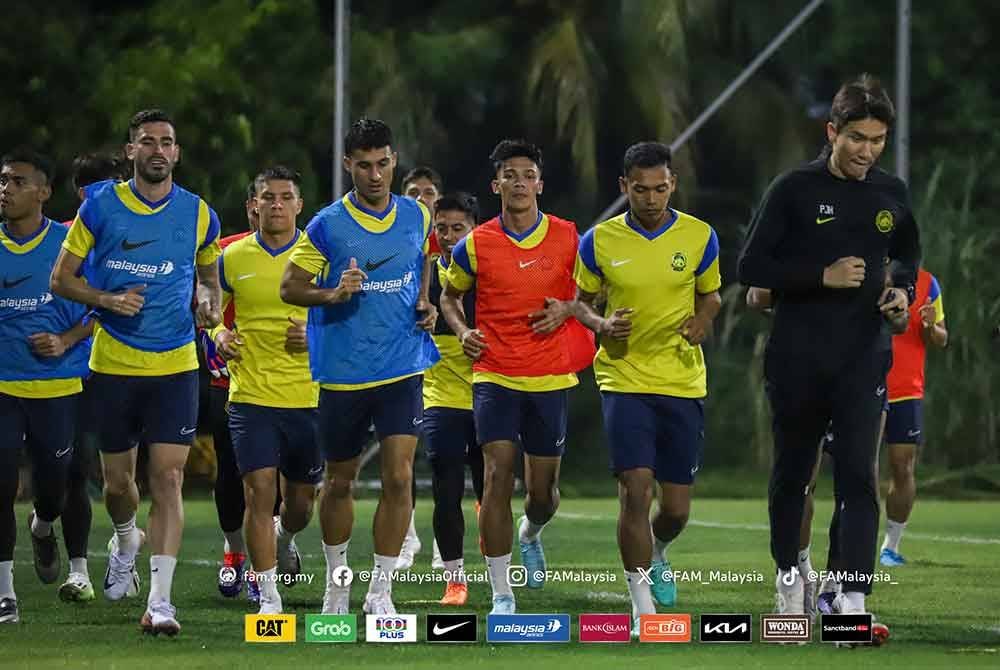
<point x="723" y="97"/>
<point x="341" y="55"/>
<point x="903" y="12"/>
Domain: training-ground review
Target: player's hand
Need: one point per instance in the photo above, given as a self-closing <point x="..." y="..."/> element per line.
<point x="893" y="301"/>
<point x="473" y="343"/>
<point x="758" y="298"/>
<point x="618" y="326"/>
<point x="350" y="282"/>
<point x="928" y="314"/>
<point x="207" y="315"/>
<point x="125" y="303"/>
<point x="551" y="317"/>
<point x="228" y="344"/>
<point x="430" y="312"/>
<point x="295" y="336"/>
<point x="847" y="272"/>
<point x="47" y="345"/>
<point x="695" y="329"/>
<point x="215" y="363"/>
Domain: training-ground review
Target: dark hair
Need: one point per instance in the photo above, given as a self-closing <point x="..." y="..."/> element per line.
<point x="862" y="98"/>
<point x="94" y="167"/>
<point x="646" y="155"/>
<point x="508" y="149"/>
<point x="276" y="172"/>
<point x="424" y="172"/>
<point x="367" y="134"/>
<point x="252" y="189"/>
<point x="148" y="116"/>
<point x="459" y="201"/>
<point x="36" y="160"/>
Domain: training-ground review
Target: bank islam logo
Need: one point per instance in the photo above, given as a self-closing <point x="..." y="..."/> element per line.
<point x="846" y="628"/>
<point x="269" y="628"/>
<point x="726" y="627"/>
<point x="527" y="628"/>
<point x="665" y="628"/>
<point x="331" y="628"/>
<point x="605" y="627"/>
<point x="785" y="628"/>
<point x="391" y="628"/>
<point x="451" y="628"/>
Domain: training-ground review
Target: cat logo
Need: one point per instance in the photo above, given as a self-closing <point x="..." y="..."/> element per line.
<point x="884" y="222"/>
<point x="269" y="628"/>
<point x="679" y="262"/>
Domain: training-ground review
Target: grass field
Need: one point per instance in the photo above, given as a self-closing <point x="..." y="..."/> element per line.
<point x="940" y="609"/>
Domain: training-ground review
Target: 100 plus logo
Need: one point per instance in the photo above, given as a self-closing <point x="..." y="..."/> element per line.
<point x="391" y="628"/>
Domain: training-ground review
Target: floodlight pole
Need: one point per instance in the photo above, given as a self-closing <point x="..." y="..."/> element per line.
<point x="341" y="62"/>
<point x="902" y="130"/>
<point x="723" y="97"/>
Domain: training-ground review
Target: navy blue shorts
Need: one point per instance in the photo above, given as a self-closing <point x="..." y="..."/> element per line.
<point x="663" y="433"/>
<point x="449" y="433"/>
<point x="155" y="410"/>
<point x="277" y="437"/>
<point x="905" y="423"/>
<point x="536" y="419"/>
<point x="46" y="425"/>
<point x="345" y="416"/>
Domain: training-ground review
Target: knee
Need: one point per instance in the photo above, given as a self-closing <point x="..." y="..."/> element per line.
<point x="167" y="480"/>
<point x="396" y="482"/>
<point x="497" y="478"/>
<point x="636" y="497"/>
<point x="337" y="486"/>
<point x="673" y="519"/>
<point x="902" y="470"/>
<point x="117" y="483"/>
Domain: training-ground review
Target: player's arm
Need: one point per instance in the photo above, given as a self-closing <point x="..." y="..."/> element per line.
<point x="308" y="259"/>
<point x="707" y="300"/>
<point x="759" y="299"/>
<point x="208" y="292"/>
<point x="618" y="326"/>
<point x="53" y="345"/>
<point x="66" y="283"/>
<point x="932" y="328"/>
<point x="459" y="280"/>
<point x="424" y="305"/>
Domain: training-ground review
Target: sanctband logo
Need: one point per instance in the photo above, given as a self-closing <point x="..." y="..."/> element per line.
<point x="269" y="628"/>
<point x="391" y="628"/>
<point x="726" y="627"/>
<point x="605" y="627"/>
<point x="331" y="628"/>
<point x="527" y="628"/>
<point x="846" y="628"/>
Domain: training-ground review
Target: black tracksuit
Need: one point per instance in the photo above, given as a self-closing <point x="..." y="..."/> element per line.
<point x="829" y="349"/>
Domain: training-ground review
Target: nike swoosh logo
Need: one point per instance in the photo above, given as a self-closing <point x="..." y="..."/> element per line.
<point x="129" y="246"/>
<point x="63" y="452"/>
<point x="820" y="222"/>
<point x="369" y="266"/>
<point x="880" y="391"/>
<point x="438" y="630"/>
<point x="315" y="471"/>
<point x="12" y="284"/>
<point x="252" y="274"/>
<point x="187" y="431"/>
<point x="615" y="264"/>
<point x="560" y="441"/>
<point x="524" y="265"/>
<point x="913" y="433"/>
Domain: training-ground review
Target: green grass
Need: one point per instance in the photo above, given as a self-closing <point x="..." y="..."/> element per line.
<point x="940" y="611"/>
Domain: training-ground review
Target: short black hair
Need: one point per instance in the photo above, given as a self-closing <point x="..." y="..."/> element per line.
<point x="94" y="167"/>
<point x="424" y="172"/>
<point x="459" y="201"/>
<point x="148" y="116"/>
<point x="252" y="189"/>
<point x="859" y="99"/>
<point x="508" y="149"/>
<point x="37" y="160"/>
<point x="646" y="155"/>
<point x="276" y="172"/>
<point x="367" y="133"/>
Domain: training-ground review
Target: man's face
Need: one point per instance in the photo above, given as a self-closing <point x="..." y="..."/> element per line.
<point x="154" y="150"/>
<point x="519" y="183"/>
<point x="422" y="189"/>
<point x="648" y="191"/>
<point x="371" y="171"/>
<point x="857" y="146"/>
<point x="450" y="226"/>
<point x="23" y="191"/>
<point x="278" y="205"/>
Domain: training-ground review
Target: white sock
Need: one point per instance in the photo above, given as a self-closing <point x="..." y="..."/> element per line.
<point x="161" y="577"/>
<point x="528" y="531"/>
<point x="6" y="579"/>
<point x="455" y="570"/>
<point x="638" y="590"/>
<point x="497" y="567"/>
<point x="128" y="537"/>
<point x="805" y="565"/>
<point x="412" y="530"/>
<point x="40" y="528"/>
<point x="79" y="565"/>
<point x="385" y="568"/>
<point x="336" y="556"/>
<point x="268" y="585"/>
<point x="234" y="542"/>
<point x="856" y="599"/>
<point x="282" y="535"/>
<point x="659" y="550"/>
<point x="893" y="534"/>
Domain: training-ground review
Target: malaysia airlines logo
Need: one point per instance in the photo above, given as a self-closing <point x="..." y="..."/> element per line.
<point x="145" y="270"/>
<point x="26" y="304"/>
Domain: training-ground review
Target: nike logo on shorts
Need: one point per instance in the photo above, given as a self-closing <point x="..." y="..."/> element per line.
<point x="63" y="452"/>
<point x="187" y="431"/>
